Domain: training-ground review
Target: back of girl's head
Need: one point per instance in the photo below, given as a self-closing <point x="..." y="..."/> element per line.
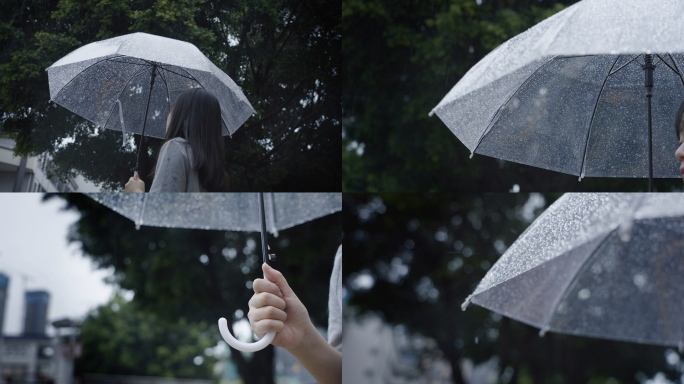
<point x="679" y="120"/>
<point x="196" y="117"/>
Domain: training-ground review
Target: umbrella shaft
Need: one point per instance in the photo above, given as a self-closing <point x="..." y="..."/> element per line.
<point x="648" y="83"/>
<point x="264" y="234"/>
<point x="149" y="96"/>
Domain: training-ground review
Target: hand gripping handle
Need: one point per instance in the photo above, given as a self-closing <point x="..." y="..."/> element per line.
<point x="240" y="345"/>
<point x="223" y="324"/>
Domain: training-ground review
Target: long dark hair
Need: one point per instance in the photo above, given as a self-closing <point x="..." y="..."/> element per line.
<point x="196" y="117"/>
<point x="679" y="127"/>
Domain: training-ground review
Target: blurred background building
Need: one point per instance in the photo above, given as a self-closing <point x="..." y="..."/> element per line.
<point x="30" y="174"/>
<point x="33" y="356"/>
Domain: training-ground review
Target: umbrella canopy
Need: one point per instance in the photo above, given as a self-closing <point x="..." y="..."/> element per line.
<point x="600" y="265"/>
<point x="221" y="211"/>
<point x="569" y="94"/>
<point x="225" y="211"/>
<point x="109" y="82"/>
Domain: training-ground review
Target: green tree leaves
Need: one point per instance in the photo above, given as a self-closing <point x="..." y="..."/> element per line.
<point x="119" y="338"/>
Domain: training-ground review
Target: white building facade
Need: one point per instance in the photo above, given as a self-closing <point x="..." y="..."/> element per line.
<point x="29" y="174"/>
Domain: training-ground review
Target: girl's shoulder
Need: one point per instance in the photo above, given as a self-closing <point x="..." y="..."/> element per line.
<point x="177" y="140"/>
<point x="177" y="144"/>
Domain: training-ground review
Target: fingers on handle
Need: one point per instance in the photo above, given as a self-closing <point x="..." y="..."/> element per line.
<point x="277" y="278"/>
<point x="265" y="300"/>
<point x="263" y="285"/>
<point x="265" y="326"/>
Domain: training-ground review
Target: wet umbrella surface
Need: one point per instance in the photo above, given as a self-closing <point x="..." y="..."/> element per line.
<point x="221" y="211"/>
<point x="128" y="83"/>
<point x="601" y="265"/>
<point x="225" y="211"/>
<point x="570" y="95"/>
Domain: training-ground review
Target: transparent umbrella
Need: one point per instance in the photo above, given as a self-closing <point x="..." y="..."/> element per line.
<point x="226" y="211"/>
<point x="600" y="265"/>
<point x="128" y="83"/>
<point x="590" y="91"/>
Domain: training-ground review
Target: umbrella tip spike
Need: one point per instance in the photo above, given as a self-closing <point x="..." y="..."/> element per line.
<point x="466" y="303"/>
<point x="431" y="113"/>
<point x="543" y="331"/>
<point x="471" y="154"/>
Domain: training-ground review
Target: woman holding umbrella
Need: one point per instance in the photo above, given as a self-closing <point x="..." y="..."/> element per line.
<point x="192" y="158"/>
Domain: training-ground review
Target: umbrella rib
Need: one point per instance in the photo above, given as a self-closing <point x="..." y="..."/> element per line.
<point x="667" y="64"/>
<point x="572" y="56"/>
<point x="143" y="62"/>
<point x="120" y="93"/>
<point x="225" y="125"/>
<point x="622" y="66"/>
<point x="81" y="73"/>
<point x="593" y="113"/>
<point x="498" y="111"/>
<point x="677" y="71"/>
<point x="189" y="76"/>
<point x="163" y="77"/>
<point x="545" y="327"/>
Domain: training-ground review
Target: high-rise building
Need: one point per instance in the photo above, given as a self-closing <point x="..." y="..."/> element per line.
<point x="36" y="312"/>
<point x="4" y="284"/>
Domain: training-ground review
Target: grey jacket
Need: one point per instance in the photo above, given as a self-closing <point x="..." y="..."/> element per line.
<point x="174" y="171"/>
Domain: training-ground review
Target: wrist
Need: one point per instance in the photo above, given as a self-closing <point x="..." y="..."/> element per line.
<point x="311" y="340"/>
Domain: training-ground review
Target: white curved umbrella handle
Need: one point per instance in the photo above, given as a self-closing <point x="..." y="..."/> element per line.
<point x="242" y="346"/>
<point x="223" y="324"/>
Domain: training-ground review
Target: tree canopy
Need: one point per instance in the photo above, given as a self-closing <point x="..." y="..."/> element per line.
<point x="400" y="59"/>
<point x="426" y="253"/>
<point x="284" y="54"/>
<point x="118" y="338"/>
<point x="202" y="275"/>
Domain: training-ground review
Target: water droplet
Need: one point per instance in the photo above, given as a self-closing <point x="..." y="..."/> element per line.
<point x="584" y="294"/>
<point x="640" y="280"/>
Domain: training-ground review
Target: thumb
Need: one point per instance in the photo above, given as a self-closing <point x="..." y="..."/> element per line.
<point x="278" y="279"/>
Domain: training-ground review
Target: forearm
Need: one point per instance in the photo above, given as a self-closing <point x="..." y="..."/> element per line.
<point x="319" y="358"/>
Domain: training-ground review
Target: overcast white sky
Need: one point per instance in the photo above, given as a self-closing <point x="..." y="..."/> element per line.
<point x="33" y="244"/>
